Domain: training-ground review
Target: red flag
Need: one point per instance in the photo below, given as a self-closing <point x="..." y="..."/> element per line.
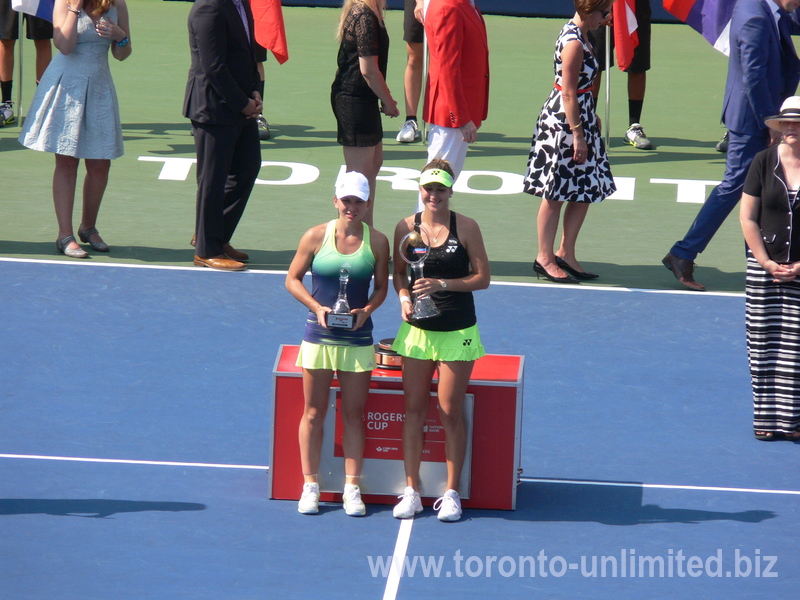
<point x="626" y="38"/>
<point x="270" y="31"/>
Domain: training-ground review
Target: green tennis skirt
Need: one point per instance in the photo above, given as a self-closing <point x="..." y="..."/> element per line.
<point x="336" y="358"/>
<point x="462" y="344"/>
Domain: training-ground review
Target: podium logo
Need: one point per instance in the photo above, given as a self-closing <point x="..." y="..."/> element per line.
<point x="379" y="421"/>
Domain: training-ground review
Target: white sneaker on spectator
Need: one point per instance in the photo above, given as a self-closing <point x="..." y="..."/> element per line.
<point x="449" y="506"/>
<point x="409" y="132"/>
<point x="7" y="113"/>
<point x="636" y="137"/>
<point x="353" y="505"/>
<point x="309" y="500"/>
<point x="409" y="505"/>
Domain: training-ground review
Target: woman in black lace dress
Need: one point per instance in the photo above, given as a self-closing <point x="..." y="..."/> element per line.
<point x="359" y="93"/>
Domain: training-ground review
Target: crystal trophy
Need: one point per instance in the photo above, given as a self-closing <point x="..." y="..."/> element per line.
<point x="340" y="316"/>
<point x="415" y="248"/>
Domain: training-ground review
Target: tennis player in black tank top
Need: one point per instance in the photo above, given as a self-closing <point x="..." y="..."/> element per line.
<point x="456" y="267"/>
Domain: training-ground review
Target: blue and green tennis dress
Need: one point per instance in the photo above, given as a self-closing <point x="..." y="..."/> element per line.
<point x="325" y="269"/>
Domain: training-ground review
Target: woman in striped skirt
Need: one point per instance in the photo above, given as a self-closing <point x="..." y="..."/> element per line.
<point x="770" y="218"/>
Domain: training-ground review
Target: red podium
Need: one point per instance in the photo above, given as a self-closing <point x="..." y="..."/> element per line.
<point x="493" y="413"/>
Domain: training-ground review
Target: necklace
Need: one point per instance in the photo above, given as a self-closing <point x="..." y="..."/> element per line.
<point x="436" y="235"/>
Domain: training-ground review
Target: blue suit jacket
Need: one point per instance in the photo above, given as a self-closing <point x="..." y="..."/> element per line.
<point x="223" y="74"/>
<point x="761" y="73"/>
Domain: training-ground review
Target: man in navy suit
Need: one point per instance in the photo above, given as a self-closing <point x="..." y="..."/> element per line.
<point x="763" y="70"/>
<point x="223" y="101"/>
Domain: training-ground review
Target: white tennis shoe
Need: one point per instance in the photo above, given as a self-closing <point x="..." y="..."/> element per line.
<point x="449" y="506"/>
<point x="409" y="505"/>
<point x="353" y="505"/>
<point x="309" y="501"/>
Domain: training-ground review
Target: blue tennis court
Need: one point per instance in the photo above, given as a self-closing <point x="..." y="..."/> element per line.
<point x="135" y="433"/>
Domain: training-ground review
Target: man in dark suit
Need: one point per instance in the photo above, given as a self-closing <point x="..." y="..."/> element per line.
<point x="763" y="70"/>
<point x="223" y="101"/>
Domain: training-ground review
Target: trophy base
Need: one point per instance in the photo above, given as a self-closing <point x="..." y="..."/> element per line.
<point x="422" y="316"/>
<point x="336" y="321"/>
<point x="424" y="308"/>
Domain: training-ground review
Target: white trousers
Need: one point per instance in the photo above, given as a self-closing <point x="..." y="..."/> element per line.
<point x="447" y="143"/>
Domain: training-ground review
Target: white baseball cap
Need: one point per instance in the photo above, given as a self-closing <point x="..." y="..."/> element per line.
<point x="353" y="184"/>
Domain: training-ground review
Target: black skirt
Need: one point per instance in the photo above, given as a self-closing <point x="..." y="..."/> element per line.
<point x="358" y="119"/>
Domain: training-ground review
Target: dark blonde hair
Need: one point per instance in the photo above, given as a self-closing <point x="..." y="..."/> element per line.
<point x="587" y="7"/>
<point x="441" y="164"/>
<point x="101" y="7"/>
<point x="376" y="6"/>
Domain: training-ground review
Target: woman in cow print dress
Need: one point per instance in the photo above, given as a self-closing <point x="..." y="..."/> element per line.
<point x="568" y="162"/>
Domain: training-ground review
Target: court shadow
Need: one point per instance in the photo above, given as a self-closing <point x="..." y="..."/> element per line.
<point x="287" y="136"/>
<point x="96" y="509"/>
<point x="259" y="259"/>
<point x="676" y="142"/>
<point x="653" y="276"/>
<point x="610" y="505"/>
<point x="155" y="129"/>
<point x="9" y="144"/>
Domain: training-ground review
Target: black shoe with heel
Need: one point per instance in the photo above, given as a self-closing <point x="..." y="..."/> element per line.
<point x="575" y="273"/>
<point x="540" y="270"/>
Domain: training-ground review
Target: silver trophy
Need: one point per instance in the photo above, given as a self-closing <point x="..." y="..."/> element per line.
<point x="415" y="248"/>
<point x="340" y="316"/>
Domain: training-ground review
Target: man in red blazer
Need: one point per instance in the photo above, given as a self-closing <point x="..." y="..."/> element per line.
<point x="457" y="90"/>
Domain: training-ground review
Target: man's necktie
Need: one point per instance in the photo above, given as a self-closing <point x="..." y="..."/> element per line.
<point x="243" y="15"/>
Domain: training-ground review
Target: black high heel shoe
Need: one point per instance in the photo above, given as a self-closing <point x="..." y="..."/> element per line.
<point x="540" y="270"/>
<point x="576" y="274"/>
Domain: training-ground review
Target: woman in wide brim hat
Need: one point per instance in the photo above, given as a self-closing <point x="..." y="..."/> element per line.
<point x="770" y="219"/>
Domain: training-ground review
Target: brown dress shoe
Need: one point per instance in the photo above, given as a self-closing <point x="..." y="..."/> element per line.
<point x="683" y="270"/>
<point x="234" y="253"/>
<point x="230" y="251"/>
<point x="220" y="263"/>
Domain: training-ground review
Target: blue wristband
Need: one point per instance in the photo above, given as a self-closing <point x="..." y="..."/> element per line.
<point x="123" y="43"/>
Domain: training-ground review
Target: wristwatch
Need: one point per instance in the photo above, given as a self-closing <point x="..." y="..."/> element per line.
<point x="443" y="283"/>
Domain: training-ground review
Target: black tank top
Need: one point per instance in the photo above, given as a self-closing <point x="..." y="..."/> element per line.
<point x="448" y="261"/>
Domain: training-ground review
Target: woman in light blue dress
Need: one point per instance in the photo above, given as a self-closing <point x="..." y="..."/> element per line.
<point x="75" y="113"/>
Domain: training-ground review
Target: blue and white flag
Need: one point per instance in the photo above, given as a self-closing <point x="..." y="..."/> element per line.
<point x="38" y="8"/>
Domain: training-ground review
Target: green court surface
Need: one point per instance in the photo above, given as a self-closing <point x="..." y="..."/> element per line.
<point x="149" y="220"/>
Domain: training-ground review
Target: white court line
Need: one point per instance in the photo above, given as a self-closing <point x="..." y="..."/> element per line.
<point x="404" y="534"/>
<point x="398" y="560"/>
<point x="194" y="269"/>
<point x="122" y="461"/>
<point x="659" y="486"/>
<point x="161" y="463"/>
